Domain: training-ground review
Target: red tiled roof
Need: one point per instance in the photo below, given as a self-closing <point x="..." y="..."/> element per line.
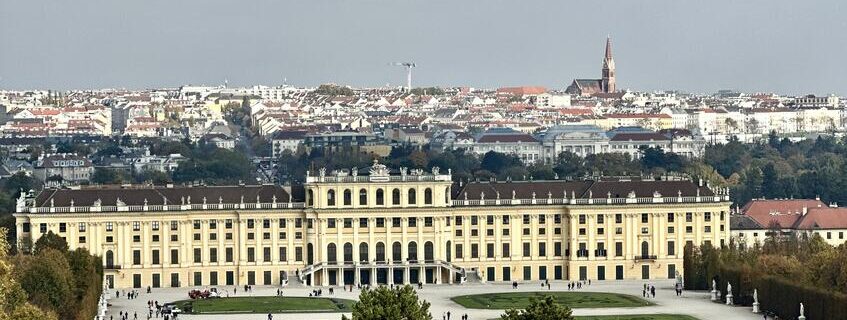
<point x="824" y="218"/>
<point x="786" y="213"/>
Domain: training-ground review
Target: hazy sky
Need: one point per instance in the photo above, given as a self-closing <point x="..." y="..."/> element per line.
<point x="787" y="46"/>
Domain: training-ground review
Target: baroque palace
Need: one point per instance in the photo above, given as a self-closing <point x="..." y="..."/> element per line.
<point x="375" y="227"/>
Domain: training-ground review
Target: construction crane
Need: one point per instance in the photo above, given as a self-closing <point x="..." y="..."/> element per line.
<point x="408" y="66"/>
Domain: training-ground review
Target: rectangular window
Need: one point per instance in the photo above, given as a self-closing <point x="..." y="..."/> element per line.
<point x="507" y="250"/>
<point x="63" y="227"/>
<point x="458" y="221"/>
<point x="397" y="222"/>
<point x="707" y="229"/>
<point x="251" y="254"/>
<point x="526" y="219"/>
<point x="298" y="254"/>
<point x="266" y="223"/>
<point x="618" y="218"/>
<point x="582" y="219"/>
<point x="196" y="224"/>
<point x="489" y="220"/>
<point x="474" y="220"/>
<point x="527" y="249"/>
<point x="363" y="222"/>
<point x="81" y="240"/>
<point x="109" y="227"/>
<point x="506" y="231"/>
<point x="707" y="216"/>
<point x="671" y="248"/>
<point x="459" y="253"/>
<point x="298" y="222"/>
<point x="670" y="217"/>
<point x="645" y="218"/>
<point x="671" y="229"/>
<point x="542" y="219"/>
<point x="155" y="226"/>
<point x="228" y="252"/>
<point x="474" y="250"/>
<point x="213" y="255"/>
<point x="601" y="219"/>
<point x="427" y="221"/>
<point x="228" y="224"/>
<point x="282" y="223"/>
<point x="283" y="254"/>
<point x="505" y="219"/>
<point x="213" y="224"/>
<point x="489" y="250"/>
<point x="542" y="249"/>
<point x="198" y="255"/>
<point x="266" y="254"/>
<point x="174" y="225"/>
<point x="174" y="256"/>
<point x="618" y="249"/>
<point x="413" y="222"/>
<point x="380" y="222"/>
<point x="155" y="256"/>
<point x="330" y="223"/>
<point x="136" y="257"/>
<point x="689" y="217"/>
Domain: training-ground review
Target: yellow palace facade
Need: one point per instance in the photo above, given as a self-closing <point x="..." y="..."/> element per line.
<point x="380" y="227"/>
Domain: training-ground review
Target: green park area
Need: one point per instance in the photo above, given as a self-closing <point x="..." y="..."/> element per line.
<point x="572" y="300"/>
<point x="639" y="317"/>
<point x="264" y="305"/>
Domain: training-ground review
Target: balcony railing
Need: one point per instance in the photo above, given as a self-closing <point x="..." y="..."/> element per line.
<point x="644" y="257"/>
<point x="592" y="201"/>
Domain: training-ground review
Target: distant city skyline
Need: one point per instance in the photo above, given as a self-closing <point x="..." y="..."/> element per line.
<point x="779" y="46"/>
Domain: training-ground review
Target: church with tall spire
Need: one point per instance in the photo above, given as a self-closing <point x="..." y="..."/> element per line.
<point x="606" y="83"/>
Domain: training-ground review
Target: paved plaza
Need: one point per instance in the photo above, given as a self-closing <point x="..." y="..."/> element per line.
<point x="695" y="304"/>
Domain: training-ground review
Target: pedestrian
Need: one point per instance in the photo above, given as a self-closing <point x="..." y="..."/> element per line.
<point x="548" y="285"/>
<point x="653" y="291"/>
<point x="448" y="315"/>
<point x="270" y="316"/>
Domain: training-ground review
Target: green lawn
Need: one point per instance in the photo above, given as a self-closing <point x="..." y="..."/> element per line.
<point x="520" y="300"/>
<point x="264" y="305"/>
<point x="639" y="317"/>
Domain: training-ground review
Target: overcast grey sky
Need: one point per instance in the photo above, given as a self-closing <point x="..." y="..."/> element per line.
<point x="785" y="46"/>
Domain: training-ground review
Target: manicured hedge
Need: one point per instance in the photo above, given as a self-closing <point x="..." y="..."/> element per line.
<point x="782" y="296"/>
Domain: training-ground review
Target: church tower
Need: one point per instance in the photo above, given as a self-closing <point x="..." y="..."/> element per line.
<point x="607" y="84"/>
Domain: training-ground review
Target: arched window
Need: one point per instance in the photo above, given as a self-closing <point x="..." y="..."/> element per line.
<point x="380" y="197"/>
<point x="449" y="251"/>
<point x="645" y="249"/>
<point x="380" y="252"/>
<point x="397" y="252"/>
<point x="363" y="252"/>
<point x="429" y="253"/>
<point x="330" y="198"/>
<point x="427" y="196"/>
<point x="348" y="253"/>
<point x="331" y="254"/>
<point x="413" y="196"/>
<point x="363" y="197"/>
<point x="413" y="251"/>
<point x="447" y="195"/>
<point x="311" y="198"/>
<point x="395" y="197"/>
<point x="348" y="197"/>
<point x="110" y="259"/>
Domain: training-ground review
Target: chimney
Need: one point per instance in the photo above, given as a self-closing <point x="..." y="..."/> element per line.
<point x="805" y="210"/>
